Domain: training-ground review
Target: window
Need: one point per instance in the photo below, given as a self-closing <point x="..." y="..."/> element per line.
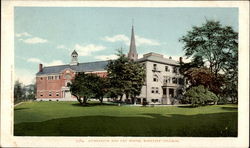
<point x="155" y="78"/>
<point x="152" y="90"/>
<point x="57" y="94"/>
<point x="68" y="76"/>
<point x="41" y="78"/>
<point x="50" y="94"/>
<point x="155" y="67"/>
<point x="59" y="77"/>
<point x="174" y="80"/>
<point x="167" y="68"/>
<point x="157" y="90"/>
<point x="41" y="94"/>
<point x="154" y="100"/>
<point x="175" y="70"/>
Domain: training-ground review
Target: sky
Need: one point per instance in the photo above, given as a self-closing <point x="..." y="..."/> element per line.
<point x="48" y="35"/>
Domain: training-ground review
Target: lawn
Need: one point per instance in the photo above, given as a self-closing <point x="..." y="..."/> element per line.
<point x="71" y="119"/>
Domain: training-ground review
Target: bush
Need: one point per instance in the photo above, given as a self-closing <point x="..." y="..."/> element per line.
<point x="200" y="95"/>
<point x="222" y="100"/>
<point x="144" y="103"/>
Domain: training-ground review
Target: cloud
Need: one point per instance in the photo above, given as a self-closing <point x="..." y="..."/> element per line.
<point x="61" y="47"/>
<point x="34" y="60"/>
<point x="24" y="34"/>
<point x="25" y="76"/>
<point x="138" y="40"/>
<point x="144" y="41"/>
<point x="106" y="57"/>
<point x="52" y="63"/>
<point x="34" y="40"/>
<point x="87" y="50"/>
<point x="117" y="38"/>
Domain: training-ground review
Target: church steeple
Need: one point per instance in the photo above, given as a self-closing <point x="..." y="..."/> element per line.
<point x="132" y="51"/>
<point x="74" y="60"/>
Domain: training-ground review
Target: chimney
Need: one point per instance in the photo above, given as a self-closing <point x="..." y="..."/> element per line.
<point x="170" y="57"/>
<point x="40" y="67"/>
<point x="181" y="60"/>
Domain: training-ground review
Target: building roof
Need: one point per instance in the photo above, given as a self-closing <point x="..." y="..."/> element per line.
<point x="158" y="58"/>
<point x="74" y="52"/>
<point x="81" y="67"/>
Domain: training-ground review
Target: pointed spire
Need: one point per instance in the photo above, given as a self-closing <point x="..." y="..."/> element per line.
<point x="132" y="51"/>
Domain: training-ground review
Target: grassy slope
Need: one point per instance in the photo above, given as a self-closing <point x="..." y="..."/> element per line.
<point x="70" y="119"/>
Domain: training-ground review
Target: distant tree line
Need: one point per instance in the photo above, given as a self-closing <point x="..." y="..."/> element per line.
<point x="23" y="92"/>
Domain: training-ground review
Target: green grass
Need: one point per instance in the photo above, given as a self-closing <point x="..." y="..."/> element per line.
<point x="71" y="119"/>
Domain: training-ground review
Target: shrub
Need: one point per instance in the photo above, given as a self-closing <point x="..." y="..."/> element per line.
<point x="222" y="100"/>
<point x="200" y="95"/>
<point x="144" y="103"/>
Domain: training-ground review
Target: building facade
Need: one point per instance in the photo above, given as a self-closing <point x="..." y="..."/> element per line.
<point x="163" y="80"/>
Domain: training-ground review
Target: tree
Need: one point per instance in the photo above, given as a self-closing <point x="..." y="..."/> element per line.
<point x="126" y="76"/>
<point x="83" y="87"/>
<point x="116" y="74"/>
<point x="218" y="47"/>
<point x="101" y="88"/>
<point x="199" y="95"/>
<point x="19" y="91"/>
<point x="135" y="75"/>
<point x="196" y="62"/>
<point x="203" y="76"/>
<point x="213" y="42"/>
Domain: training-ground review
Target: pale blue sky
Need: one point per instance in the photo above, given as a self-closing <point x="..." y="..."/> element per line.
<point x="48" y="35"/>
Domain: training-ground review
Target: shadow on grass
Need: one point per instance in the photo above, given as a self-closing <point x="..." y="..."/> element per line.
<point x="94" y="104"/>
<point x="21" y="108"/>
<point x="201" y="125"/>
<point x="230" y="108"/>
<point x="186" y="106"/>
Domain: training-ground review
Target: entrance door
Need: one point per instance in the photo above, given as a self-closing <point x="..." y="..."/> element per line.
<point x="67" y="94"/>
<point x="171" y="92"/>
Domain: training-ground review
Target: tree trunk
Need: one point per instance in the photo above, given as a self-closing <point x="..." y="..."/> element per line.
<point x="84" y="100"/>
<point x="121" y="97"/>
<point x="79" y="99"/>
<point x="101" y="99"/>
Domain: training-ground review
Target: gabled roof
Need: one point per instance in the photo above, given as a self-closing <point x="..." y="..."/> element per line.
<point x="81" y="67"/>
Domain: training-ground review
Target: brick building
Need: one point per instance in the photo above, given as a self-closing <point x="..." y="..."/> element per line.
<point x="163" y="80"/>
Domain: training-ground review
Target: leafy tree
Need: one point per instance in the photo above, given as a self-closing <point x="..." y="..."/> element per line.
<point x="116" y="70"/>
<point x="203" y="76"/>
<point x="135" y="76"/>
<point x="101" y="88"/>
<point x="199" y="95"/>
<point x="196" y="62"/>
<point x="125" y="76"/>
<point x="213" y="42"/>
<point x="83" y="87"/>
<point x="218" y="47"/>
<point x="19" y="91"/>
